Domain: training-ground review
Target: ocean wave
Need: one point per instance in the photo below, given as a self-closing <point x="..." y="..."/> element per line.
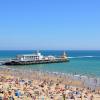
<point x="85" y="57"/>
<point x="0" y="64"/>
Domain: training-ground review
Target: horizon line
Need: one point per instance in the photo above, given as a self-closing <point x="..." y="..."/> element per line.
<point x="49" y="49"/>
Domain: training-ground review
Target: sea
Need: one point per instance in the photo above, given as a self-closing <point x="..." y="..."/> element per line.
<point x="81" y="62"/>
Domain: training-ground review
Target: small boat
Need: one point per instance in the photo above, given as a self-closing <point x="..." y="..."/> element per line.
<point x="36" y="58"/>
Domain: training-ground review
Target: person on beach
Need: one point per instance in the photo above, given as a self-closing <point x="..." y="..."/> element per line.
<point x="64" y="96"/>
<point x="10" y="96"/>
<point x="17" y="93"/>
<point x="70" y="96"/>
<point x="5" y="97"/>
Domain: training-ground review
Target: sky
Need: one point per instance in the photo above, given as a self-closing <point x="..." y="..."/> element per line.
<point x="50" y="24"/>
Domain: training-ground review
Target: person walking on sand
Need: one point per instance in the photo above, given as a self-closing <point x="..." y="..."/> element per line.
<point x="64" y="96"/>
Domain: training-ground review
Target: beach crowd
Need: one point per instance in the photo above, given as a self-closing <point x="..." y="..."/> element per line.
<point x="46" y="88"/>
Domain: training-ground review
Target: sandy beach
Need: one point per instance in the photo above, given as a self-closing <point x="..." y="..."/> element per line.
<point x="37" y="85"/>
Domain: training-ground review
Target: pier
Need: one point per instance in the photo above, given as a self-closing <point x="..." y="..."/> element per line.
<point x="36" y="59"/>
